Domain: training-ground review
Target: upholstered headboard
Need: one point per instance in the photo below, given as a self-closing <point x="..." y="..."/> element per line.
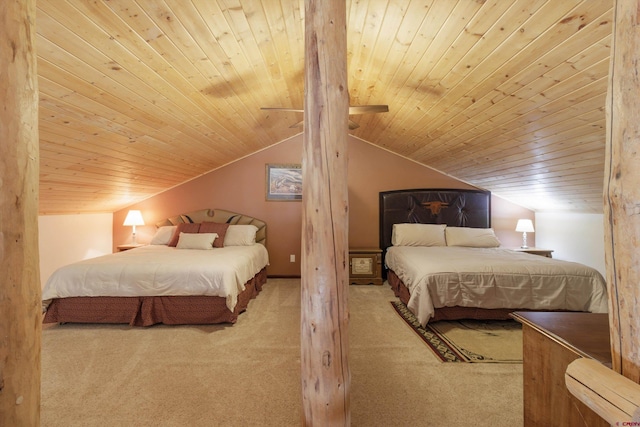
<point x="456" y="208"/>
<point x="220" y="215"/>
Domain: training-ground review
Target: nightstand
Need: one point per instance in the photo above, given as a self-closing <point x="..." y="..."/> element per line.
<point x="126" y="247"/>
<point x="536" y="251"/>
<point x="365" y="266"/>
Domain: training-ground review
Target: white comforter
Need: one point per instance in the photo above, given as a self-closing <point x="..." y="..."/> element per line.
<point x="493" y="278"/>
<point x="159" y="270"/>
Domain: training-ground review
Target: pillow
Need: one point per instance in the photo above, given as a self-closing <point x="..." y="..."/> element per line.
<point x="240" y="235"/>
<point x="196" y="240"/>
<point x="183" y="228"/>
<point x="215" y="227"/>
<point x="471" y="237"/>
<point x="418" y="235"/>
<point x="163" y="235"/>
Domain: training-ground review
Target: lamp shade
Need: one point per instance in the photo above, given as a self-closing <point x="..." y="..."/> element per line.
<point x="134" y="217"/>
<point x="524" y="226"/>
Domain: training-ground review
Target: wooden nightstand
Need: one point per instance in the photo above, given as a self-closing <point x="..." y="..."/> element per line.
<point x="365" y="266"/>
<point x="126" y="247"/>
<point x="536" y="251"/>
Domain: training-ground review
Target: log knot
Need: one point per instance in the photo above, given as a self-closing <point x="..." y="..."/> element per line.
<point x="326" y="359"/>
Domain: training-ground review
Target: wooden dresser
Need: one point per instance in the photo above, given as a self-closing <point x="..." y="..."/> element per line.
<point x="552" y="340"/>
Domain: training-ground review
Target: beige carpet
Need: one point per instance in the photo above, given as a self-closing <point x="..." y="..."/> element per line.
<point x="248" y="374"/>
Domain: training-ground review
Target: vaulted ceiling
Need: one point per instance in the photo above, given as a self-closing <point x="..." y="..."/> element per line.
<point x="139" y="96"/>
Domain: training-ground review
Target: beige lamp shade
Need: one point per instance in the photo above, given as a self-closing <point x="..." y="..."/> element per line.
<point x="134" y="217"/>
<point x="524" y="226"/>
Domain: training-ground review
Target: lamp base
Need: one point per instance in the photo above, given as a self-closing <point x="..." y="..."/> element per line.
<point x="524" y="240"/>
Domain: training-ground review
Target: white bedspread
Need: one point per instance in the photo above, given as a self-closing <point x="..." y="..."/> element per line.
<point x="494" y="278"/>
<point x="158" y="270"/>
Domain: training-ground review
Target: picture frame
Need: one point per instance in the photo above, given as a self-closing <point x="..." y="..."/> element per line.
<point x="283" y="182"/>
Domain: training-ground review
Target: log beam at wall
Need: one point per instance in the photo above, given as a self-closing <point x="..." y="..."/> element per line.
<point x="325" y="371"/>
<point x="20" y="296"/>
<point x="622" y="190"/>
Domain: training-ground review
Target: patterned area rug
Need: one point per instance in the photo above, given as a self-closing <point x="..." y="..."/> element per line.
<point x="475" y="341"/>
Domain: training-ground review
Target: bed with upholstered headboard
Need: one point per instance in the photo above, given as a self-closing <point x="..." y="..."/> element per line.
<point x="201" y="267"/>
<point x="443" y="260"/>
<point x="220" y="216"/>
<point x="456" y="208"/>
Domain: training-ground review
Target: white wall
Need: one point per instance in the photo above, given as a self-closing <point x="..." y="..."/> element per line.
<point x="64" y="239"/>
<point x="573" y="237"/>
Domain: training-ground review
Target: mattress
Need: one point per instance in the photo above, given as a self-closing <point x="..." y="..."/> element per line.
<point x="493" y="278"/>
<point x="159" y="270"/>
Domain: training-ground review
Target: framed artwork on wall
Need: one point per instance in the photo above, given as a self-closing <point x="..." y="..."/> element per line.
<point x="284" y="182"/>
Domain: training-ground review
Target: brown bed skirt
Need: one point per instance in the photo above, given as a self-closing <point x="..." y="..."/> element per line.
<point x="147" y="311"/>
<point x="451" y="313"/>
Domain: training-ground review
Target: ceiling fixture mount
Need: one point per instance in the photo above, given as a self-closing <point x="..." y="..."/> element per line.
<point x="353" y="110"/>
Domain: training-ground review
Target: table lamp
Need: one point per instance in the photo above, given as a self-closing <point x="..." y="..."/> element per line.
<point x="134" y="217"/>
<point x="524" y="226"/>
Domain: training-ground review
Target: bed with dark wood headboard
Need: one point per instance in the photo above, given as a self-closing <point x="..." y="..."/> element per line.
<point x="472" y="276"/>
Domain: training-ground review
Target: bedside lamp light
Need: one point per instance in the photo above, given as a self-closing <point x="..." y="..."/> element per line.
<point x="524" y="226"/>
<point x="134" y="217"/>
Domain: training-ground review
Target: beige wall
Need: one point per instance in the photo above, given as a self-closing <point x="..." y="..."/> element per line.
<point x="240" y="187"/>
<point x="64" y="239"/>
<point x="576" y="237"/>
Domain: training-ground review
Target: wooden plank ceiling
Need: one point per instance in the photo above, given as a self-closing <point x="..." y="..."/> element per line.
<point x="138" y="96"/>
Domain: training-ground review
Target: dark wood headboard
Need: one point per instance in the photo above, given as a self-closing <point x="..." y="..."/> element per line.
<point x="456" y="208"/>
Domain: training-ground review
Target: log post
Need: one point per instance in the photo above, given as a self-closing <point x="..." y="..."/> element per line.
<point x="615" y="398"/>
<point x="20" y="305"/>
<point x="622" y="190"/>
<point x="324" y="318"/>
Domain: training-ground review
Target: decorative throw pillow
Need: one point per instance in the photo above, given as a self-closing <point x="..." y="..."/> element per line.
<point x="215" y="227"/>
<point x="418" y="235"/>
<point x="471" y="237"/>
<point x="183" y="228"/>
<point x="240" y="235"/>
<point x="196" y="240"/>
<point x="163" y="235"/>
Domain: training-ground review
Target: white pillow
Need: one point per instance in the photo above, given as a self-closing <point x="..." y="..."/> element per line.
<point x="196" y="240"/>
<point x="471" y="237"/>
<point x="418" y="235"/>
<point x="240" y="235"/>
<point x="163" y="235"/>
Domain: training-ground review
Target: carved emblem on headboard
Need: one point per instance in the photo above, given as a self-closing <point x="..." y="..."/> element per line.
<point x="435" y="206"/>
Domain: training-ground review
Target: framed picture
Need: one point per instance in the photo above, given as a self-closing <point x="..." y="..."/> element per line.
<point x="284" y="182"/>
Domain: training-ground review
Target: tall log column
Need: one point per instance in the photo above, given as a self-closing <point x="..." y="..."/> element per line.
<point x="324" y="319"/>
<point x="20" y="306"/>
<point x="622" y="190"/>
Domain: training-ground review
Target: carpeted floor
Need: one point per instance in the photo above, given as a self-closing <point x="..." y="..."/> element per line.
<point x="474" y="341"/>
<point x="248" y="374"/>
